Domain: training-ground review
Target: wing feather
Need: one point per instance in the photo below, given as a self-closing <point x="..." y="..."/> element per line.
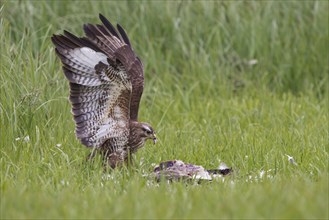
<point x="108" y="25"/>
<point x="106" y="82"/>
<point x="123" y="35"/>
<point x="136" y="70"/>
<point x="123" y="53"/>
<point x="93" y="110"/>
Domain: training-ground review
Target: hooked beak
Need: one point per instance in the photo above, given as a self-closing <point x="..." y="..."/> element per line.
<point x="154" y="138"/>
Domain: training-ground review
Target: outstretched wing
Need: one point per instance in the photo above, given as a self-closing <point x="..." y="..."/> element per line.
<point x="134" y="66"/>
<point x="101" y="68"/>
<point x="127" y="56"/>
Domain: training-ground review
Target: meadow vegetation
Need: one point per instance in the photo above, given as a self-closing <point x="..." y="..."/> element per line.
<point x="242" y="82"/>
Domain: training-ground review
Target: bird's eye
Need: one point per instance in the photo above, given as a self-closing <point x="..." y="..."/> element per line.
<point x="147" y="131"/>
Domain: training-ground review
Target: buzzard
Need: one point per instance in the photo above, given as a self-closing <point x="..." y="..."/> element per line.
<point x="106" y="84"/>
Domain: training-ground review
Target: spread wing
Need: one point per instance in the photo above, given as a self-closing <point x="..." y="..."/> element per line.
<point x="106" y="82"/>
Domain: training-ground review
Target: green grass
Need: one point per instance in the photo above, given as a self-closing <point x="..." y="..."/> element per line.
<point x="207" y="103"/>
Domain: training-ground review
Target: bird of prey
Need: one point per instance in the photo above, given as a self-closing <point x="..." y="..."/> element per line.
<point x="106" y="84"/>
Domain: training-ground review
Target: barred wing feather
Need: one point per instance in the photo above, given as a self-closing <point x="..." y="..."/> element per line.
<point x="102" y="70"/>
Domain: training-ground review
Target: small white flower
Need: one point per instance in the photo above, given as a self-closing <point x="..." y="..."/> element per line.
<point x="26" y="138"/>
<point x="252" y="62"/>
<point x="107" y="177"/>
<point x="261" y="174"/>
<point x="58" y="145"/>
<point x="65" y="183"/>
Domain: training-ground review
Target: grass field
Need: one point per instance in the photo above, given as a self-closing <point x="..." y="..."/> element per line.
<point x="243" y="82"/>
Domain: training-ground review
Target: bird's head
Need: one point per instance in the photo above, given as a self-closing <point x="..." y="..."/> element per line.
<point x="147" y="132"/>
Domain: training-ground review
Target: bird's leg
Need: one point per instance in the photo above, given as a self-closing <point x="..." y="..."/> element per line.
<point x="112" y="159"/>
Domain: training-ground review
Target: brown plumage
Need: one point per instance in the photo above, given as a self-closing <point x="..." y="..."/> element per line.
<point x="106" y="84"/>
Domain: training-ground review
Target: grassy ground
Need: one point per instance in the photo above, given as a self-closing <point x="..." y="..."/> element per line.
<point x="204" y="94"/>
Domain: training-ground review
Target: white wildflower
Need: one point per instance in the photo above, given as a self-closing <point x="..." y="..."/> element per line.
<point x="65" y="183"/>
<point x="261" y="174"/>
<point x="252" y="62"/>
<point x="25" y="139"/>
<point x="107" y="177"/>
